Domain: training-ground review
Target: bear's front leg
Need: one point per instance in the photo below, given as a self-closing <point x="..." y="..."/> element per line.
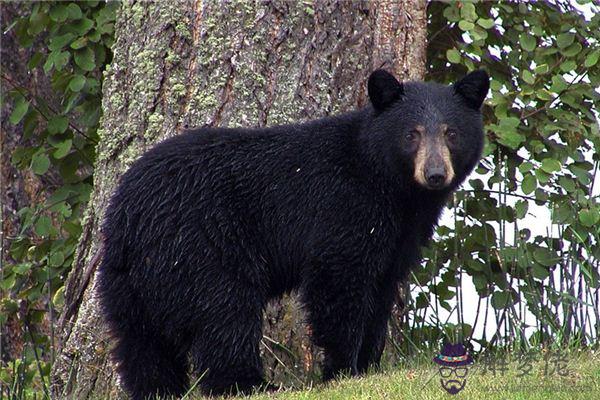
<point x="337" y="306"/>
<point x="375" y="330"/>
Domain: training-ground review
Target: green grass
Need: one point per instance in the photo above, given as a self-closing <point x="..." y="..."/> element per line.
<point x="582" y="381"/>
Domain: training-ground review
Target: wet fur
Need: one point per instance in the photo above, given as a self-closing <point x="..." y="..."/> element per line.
<point x="208" y="226"/>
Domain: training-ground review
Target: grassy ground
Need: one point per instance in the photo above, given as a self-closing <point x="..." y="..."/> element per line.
<point x="581" y="380"/>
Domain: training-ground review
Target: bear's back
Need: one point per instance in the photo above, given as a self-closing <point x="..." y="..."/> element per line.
<point x="276" y="184"/>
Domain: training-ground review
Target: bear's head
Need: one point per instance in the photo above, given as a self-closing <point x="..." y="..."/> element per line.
<point x="431" y="134"/>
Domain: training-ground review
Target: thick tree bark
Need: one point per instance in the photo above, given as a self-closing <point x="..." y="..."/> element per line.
<point x="179" y="65"/>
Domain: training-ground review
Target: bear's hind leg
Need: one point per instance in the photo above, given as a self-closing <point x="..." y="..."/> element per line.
<point x="150" y="368"/>
<point x="226" y="352"/>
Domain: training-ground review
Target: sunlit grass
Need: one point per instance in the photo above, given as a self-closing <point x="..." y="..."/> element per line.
<point x="581" y="381"/>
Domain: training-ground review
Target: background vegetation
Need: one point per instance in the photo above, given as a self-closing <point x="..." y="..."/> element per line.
<point x="541" y="158"/>
<point x="70" y="43"/>
<point x="525" y="228"/>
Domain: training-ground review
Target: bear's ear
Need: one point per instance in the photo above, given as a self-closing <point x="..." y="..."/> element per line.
<point x="383" y="89"/>
<point x="473" y="88"/>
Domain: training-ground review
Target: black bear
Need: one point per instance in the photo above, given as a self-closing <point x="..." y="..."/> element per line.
<point x="208" y="226"/>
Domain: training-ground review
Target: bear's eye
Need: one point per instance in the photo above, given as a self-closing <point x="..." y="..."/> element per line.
<point x="410" y="136"/>
<point x="450" y="134"/>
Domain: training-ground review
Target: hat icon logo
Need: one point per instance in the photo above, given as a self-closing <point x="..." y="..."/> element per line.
<point x="453" y="363"/>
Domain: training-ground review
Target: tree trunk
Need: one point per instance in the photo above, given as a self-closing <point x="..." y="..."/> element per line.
<point x="197" y="63"/>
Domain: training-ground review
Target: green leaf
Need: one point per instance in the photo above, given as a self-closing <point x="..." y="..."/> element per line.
<point x="21" y="157"/>
<point x="29" y="124"/>
<point x="567" y="183"/>
<point x="57" y="59"/>
<point x="58" y="124"/>
<point x="452" y="13"/>
<point x="68" y="167"/>
<point x="568" y="66"/>
<point x="592" y="59"/>
<point x="564" y="39"/>
<point x="526" y="166"/>
<point x="589" y="217"/>
<point x="443" y="292"/>
<point x="453" y="56"/>
<point x="529" y="184"/>
<point x="74" y="11"/>
<point x="507" y="132"/>
<point x="467" y="11"/>
<point x="528" y="77"/>
<point x="63" y="208"/>
<point x="542" y="176"/>
<point x="573" y="50"/>
<point x="62" y="193"/>
<point x="510" y="122"/>
<point x="59" y="13"/>
<point x="539" y="272"/>
<point x="543" y="94"/>
<point x="58" y="42"/>
<point x="511" y="140"/>
<point x="59" y="297"/>
<point x="422" y="301"/>
<point x="478" y="34"/>
<point x="22" y="269"/>
<point x="486" y="23"/>
<point x="528" y="42"/>
<point x="521" y="208"/>
<point x="40" y="163"/>
<point x="21" y="32"/>
<point x="561" y="214"/>
<point x="466" y="25"/>
<point x="43" y="226"/>
<point x="541" y="196"/>
<point x="475" y="264"/>
<point x="62" y="149"/>
<point x="541" y="69"/>
<point x="79" y="43"/>
<point x="550" y="165"/>
<point x="82" y="26"/>
<point x="85" y="58"/>
<point x="37" y="23"/>
<point x="77" y="83"/>
<point x="480" y="281"/>
<point x="558" y="84"/>
<point x="35" y="60"/>
<point x="500" y="299"/>
<point x="61" y="60"/>
<point x="21" y="107"/>
<point x="545" y="256"/>
<point x="96" y="35"/>
<point x="6" y="284"/>
<point x="582" y="174"/>
<point x="84" y="191"/>
<point x="56" y="259"/>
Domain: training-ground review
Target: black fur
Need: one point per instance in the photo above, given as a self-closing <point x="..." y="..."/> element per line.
<point x="208" y="226"/>
<point x="383" y="89"/>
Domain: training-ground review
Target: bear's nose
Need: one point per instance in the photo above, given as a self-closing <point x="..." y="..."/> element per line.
<point x="436" y="177"/>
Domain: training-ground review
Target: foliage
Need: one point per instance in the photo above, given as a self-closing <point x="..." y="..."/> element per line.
<point x="72" y="42"/>
<point x="542" y="153"/>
